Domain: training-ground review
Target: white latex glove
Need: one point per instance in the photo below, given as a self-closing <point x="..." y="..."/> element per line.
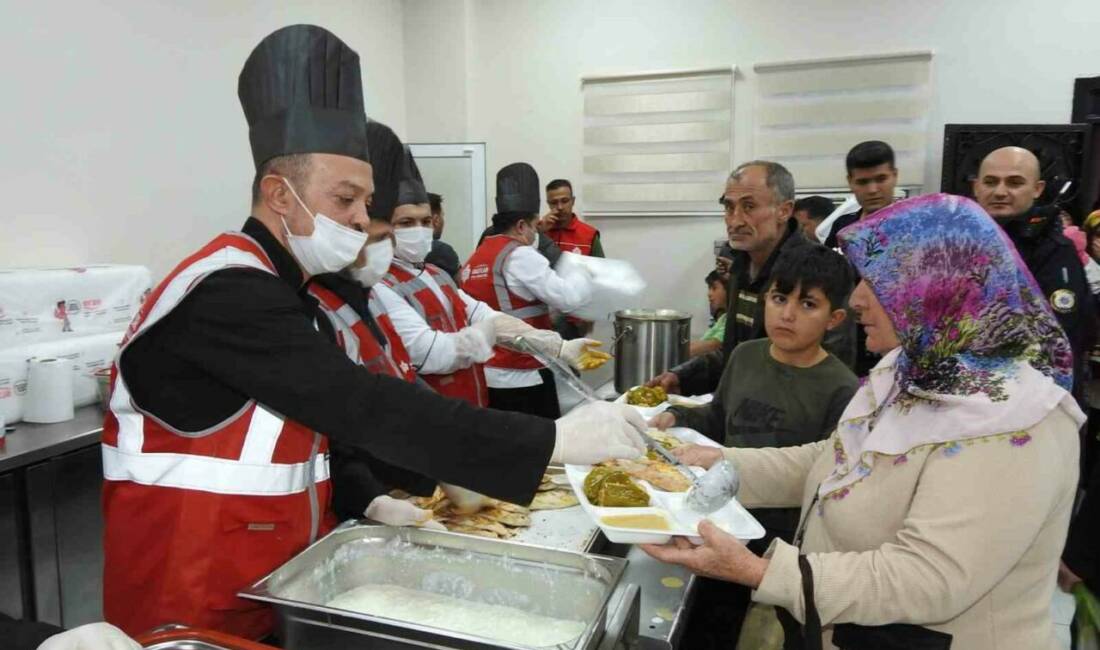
<point x="475" y="343"/>
<point x="395" y="512"/>
<point x="599" y="431"/>
<point x="509" y="327"/>
<point x="571" y="351"/>
<point x="93" y="636"/>
<point x="545" y="341"/>
<point x="464" y="501"/>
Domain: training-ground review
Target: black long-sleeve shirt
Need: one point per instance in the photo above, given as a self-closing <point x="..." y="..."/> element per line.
<point x="247" y="334"/>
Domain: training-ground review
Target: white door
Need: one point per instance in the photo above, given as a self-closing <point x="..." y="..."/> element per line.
<point x="457" y="173"/>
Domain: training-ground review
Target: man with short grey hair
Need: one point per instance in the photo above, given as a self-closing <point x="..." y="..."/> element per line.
<point x="758" y="202"/>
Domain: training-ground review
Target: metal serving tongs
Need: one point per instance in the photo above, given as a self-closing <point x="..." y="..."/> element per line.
<point x="565" y="374"/>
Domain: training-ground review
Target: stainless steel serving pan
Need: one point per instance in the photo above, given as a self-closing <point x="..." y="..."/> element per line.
<point x="540" y="580"/>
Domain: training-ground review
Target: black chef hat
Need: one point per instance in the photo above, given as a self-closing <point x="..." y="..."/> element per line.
<point x="387" y="158"/>
<point x="411" y="189"/>
<point x="518" y="189"/>
<point x="302" y="92"/>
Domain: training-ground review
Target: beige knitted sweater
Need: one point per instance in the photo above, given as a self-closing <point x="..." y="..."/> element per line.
<point x="962" y="538"/>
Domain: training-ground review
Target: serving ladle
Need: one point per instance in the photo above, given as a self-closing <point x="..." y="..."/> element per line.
<point x="714" y="489"/>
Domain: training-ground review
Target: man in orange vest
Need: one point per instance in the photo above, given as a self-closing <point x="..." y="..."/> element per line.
<point x="224" y="395"/>
<point x="562" y="225"/>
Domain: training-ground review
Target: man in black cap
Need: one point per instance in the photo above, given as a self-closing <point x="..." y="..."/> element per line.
<point x="224" y="394"/>
<point x="508" y="273"/>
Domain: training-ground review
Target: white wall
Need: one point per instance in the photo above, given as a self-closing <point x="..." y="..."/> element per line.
<point x="436" y="59"/>
<point x="122" y="137"/>
<point x="995" y="61"/>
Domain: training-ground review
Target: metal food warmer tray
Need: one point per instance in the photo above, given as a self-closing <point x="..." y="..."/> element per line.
<point x="538" y="580"/>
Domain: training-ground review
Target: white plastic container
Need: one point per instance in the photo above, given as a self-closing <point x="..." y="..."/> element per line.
<point x="732" y="517"/>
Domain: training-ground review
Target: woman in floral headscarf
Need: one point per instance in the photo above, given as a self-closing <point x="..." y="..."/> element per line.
<point x="939" y="507"/>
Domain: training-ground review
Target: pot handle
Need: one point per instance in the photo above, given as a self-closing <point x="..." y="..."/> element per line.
<point x="626" y="330"/>
<point x="685" y="334"/>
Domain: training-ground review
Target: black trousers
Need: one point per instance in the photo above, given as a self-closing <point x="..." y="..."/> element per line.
<point x="534" y="400"/>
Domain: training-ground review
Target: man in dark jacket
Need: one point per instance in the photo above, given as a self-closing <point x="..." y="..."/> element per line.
<point x="1007" y="186"/>
<point x="442" y="254"/>
<point x="758" y="202"/>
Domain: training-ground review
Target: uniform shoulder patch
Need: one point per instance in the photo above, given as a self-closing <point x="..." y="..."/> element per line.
<point x="1063" y="301"/>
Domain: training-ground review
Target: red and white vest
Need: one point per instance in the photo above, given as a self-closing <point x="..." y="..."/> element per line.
<point x="578" y="237"/>
<point x="191" y="518"/>
<point x="483" y="278"/>
<point x="355" y="338"/>
<point x="467" y="383"/>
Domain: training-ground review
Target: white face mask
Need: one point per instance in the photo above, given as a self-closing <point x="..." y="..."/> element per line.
<point x="330" y="248"/>
<point x="379" y="256"/>
<point x="413" y="244"/>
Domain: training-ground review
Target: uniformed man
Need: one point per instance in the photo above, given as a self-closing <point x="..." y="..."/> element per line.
<point x="1007" y="186"/>
<point x="225" y="395"/>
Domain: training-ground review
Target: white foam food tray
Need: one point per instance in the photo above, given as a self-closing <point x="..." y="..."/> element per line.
<point x="732" y="517"/>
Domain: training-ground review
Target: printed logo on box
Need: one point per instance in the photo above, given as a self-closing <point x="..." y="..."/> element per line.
<point x="92" y="304"/>
<point x="5" y="393"/>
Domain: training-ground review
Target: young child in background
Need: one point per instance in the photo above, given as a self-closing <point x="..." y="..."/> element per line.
<point x="784" y="390"/>
<point x="716" y="297"/>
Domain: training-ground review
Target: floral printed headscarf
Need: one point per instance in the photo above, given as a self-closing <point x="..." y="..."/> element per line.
<point x="981" y="353"/>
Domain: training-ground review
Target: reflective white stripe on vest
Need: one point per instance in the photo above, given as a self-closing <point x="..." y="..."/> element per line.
<point x="131" y="430"/>
<point x="504" y="295"/>
<point x="251" y="474"/>
<point x="208" y="474"/>
<point x="263" y="435"/>
<point x="410" y="288"/>
<point x="349" y="342"/>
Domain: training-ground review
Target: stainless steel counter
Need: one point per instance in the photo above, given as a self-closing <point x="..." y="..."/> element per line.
<point x="31" y="443"/>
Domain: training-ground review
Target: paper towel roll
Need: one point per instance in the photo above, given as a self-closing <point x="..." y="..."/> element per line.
<point x="49" y="390"/>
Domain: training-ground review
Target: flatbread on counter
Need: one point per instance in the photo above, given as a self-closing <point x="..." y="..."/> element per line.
<point x="513" y="518"/>
<point x="554" y="500"/>
<point x="499" y="520"/>
<point x="478" y="521"/>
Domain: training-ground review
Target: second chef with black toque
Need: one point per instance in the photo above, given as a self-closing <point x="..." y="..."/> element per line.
<point x="508" y="273"/>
